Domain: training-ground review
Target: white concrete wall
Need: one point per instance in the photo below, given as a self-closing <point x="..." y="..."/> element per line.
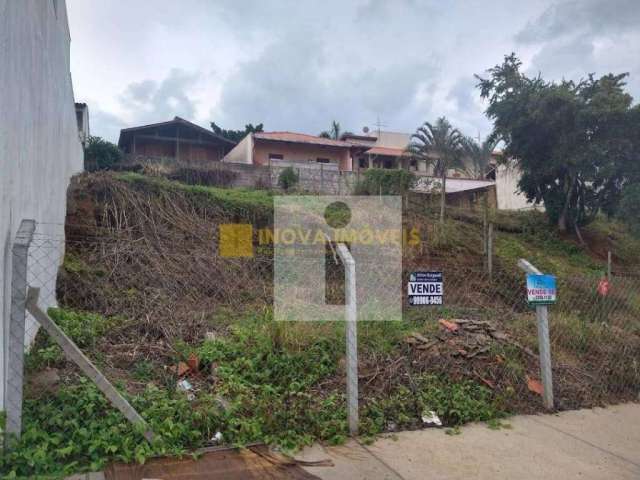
<point x="242" y="152"/>
<point x="39" y="145"/>
<point x="508" y="194"/>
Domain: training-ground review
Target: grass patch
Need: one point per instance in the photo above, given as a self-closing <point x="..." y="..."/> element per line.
<point x="237" y="201"/>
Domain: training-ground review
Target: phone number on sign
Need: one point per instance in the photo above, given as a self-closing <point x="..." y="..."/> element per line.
<point x="426" y="300"/>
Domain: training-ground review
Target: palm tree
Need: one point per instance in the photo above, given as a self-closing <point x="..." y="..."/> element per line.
<point x="479" y="154"/>
<point x="439" y="145"/>
<point x="333" y="133"/>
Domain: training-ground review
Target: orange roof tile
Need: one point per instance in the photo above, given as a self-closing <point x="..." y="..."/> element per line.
<point x="393" y="152"/>
<point x="300" y="138"/>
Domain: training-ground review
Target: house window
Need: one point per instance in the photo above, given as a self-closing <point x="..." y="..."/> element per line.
<point x="362" y="162"/>
<point x="276" y="156"/>
<point x="413" y="164"/>
<point x="323" y="160"/>
<point x="387" y="163"/>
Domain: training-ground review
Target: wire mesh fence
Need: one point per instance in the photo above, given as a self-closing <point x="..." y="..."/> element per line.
<point x="164" y="269"/>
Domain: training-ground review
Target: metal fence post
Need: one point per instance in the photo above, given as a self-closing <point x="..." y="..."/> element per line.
<point x="544" y="346"/>
<point x="351" y="314"/>
<point x="490" y="251"/>
<point x="15" y="348"/>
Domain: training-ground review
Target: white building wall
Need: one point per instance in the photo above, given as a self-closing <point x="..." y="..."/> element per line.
<point x="242" y="152"/>
<point x="508" y="194"/>
<point x="39" y="144"/>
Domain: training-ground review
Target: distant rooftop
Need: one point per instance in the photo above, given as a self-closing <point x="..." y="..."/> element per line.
<point x="292" y="137"/>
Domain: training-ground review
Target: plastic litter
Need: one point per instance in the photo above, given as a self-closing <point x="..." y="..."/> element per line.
<point x="431" y="419"/>
<point x="185" y="386"/>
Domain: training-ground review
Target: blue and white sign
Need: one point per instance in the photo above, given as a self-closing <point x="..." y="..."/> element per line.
<point x="425" y="288"/>
<point x="541" y="289"/>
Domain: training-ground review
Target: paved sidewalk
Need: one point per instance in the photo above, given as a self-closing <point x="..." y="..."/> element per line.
<point x="584" y="444"/>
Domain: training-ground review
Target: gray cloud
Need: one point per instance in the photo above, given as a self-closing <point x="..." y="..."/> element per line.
<point x="298" y="65"/>
<point x="575" y="38"/>
<point x="464" y="93"/>
<point x="595" y="17"/>
<point x="105" y="124"/>
<point x="296" y="85"/>
<point x="150" y="101"/>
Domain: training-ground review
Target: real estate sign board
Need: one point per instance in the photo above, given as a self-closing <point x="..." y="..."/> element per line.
<point x="541" y="289"/>
<point x="425" y="288"/>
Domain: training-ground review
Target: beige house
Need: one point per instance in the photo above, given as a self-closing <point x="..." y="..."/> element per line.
<point x="288" y="148"/>
<point x="383" y="149"/>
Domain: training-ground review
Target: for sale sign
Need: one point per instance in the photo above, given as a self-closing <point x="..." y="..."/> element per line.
<point x="541" y="289"/>
<point x="425" y="288"/>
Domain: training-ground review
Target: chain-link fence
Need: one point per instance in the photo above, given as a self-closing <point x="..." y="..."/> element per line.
<point x="37" y="252"/>
<point x="162" y="266"/>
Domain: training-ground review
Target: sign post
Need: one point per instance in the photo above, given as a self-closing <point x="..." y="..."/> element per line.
<point x="541" y="292"/>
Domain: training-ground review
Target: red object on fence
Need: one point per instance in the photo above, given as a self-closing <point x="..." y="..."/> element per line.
<point x="603" y="287"/>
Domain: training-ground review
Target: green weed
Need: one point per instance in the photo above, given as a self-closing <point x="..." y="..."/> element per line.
<point x="77" y="430"/>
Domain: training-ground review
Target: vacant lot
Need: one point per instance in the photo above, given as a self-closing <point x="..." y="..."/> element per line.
<point x="144" y="293"/>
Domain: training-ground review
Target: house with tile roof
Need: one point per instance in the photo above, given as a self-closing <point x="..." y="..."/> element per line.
<point x="289" y="148"/>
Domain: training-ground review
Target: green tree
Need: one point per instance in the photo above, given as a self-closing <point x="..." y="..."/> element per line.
<point x="479" y="154"/>
<point x="629" y="211"/>
<point x="100" y="154"/>
<point x="333" y="133"/>
<point x="237" y="135"/>
<point x="573" y="141"/>
<point x="441" y="146"/>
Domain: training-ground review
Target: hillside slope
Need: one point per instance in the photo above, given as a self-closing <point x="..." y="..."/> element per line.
<point x="142" y="254"/>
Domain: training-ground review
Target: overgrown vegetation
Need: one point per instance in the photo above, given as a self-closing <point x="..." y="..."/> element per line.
<point x="287" y="179"/>
<point x="145" y="260"/>
<point x="380" y="181"/>
<point x="77" y="430"/>
<point x="263" y="381"/>
<point x="100" y="154"/>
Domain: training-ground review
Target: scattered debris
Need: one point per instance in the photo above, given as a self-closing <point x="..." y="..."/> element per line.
<point x="181" y="369"/>
<point x="431" y="419"/>
<point x="216" y="439"/>
<point x="467" y="338"/>
<point x="185" y="386"/>
<point x="534" y="385"/>
<point x="451" y="326"/>
<point x="193" y="362"/>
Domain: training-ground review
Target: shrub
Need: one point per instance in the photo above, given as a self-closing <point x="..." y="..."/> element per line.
<point x="287" y="179"/>
<point x="100" y="154"/>
<point x="378" y="181"/>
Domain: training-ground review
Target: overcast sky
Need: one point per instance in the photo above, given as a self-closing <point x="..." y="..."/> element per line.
<point x="298" y="65"/>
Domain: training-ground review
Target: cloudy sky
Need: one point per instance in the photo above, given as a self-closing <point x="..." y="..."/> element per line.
<point x="297" y="65"/>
